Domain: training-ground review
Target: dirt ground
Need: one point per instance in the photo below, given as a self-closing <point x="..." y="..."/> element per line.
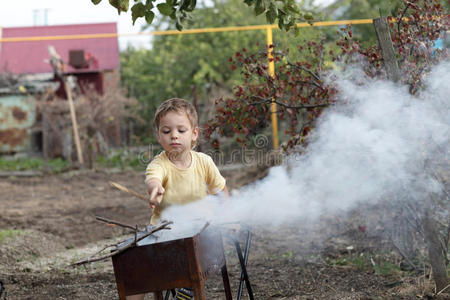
<point x="49" y="222"/>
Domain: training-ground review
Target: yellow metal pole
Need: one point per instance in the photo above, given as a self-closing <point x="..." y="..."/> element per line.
<point x="176" y="32"/>
<point x="273" y="106"/>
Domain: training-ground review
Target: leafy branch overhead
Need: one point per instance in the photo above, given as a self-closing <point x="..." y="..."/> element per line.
<point x="285" y="12"/>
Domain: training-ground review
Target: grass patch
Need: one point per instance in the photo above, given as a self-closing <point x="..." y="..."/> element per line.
<point x="9" y="233"/>
<point x="125" y="159"/>
<point x="33" y="164"/>
<point x="118" y="158"/>
<point x="379" y="264"/>
<point x="20" y="164"/>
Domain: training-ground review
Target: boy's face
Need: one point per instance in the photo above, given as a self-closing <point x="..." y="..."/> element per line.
<point x="175" y="133"/>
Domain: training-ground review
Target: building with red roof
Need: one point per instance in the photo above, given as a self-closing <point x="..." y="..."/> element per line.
<point x="86" y="52"/>
<point x="89" y="55"/>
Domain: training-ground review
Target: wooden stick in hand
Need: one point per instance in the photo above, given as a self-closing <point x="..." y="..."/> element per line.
<point x="126" y="190"/>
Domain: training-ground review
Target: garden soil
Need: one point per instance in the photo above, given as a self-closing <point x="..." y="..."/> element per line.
<point x="48" y="222"/>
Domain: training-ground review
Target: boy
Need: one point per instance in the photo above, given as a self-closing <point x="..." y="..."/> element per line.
<point x="179" y="175"/>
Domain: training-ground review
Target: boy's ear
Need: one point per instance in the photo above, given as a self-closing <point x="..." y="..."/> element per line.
<point x="157" y="136"/>
<point x="195" y="134"/>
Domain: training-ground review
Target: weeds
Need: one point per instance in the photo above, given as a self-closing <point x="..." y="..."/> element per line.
<point x="379" y="264"/>
<point x="119" y="159"/>
<point x="33" y="164"/>
<point x="9" y="233"/>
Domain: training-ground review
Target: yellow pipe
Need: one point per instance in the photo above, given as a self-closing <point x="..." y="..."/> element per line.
<point x="273" y="106"/>
<point x="174" y="32"/>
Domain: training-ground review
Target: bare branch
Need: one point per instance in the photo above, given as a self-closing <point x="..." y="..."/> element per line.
<point x="403" y="254"/>
<point x="403" y="14"/>
<point x="309" y="82"/>
<point x="163" y="225"/>
<point x="322" y="52"/>
<point x="116" y="223"/>
<point x="303" y="106"/>
<point x="305" y="69"/>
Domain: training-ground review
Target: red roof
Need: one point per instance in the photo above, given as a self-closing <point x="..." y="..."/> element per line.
<point x="29" y="57"/>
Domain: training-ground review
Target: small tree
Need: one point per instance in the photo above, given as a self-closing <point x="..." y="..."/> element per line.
<point x="301" y="94"/>
<point x="286" y="12"/>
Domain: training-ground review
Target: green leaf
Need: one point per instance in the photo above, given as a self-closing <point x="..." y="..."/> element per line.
<point x="121" y="5"/>
<point x="279" y="4"/>
<point x="173" y="15"/>
<point x="271" y="14"/>
<point x="137" y="11"/>
<point x="124" y="5"/>
<point x="192" y="4"/>
<point x="179" y="26"/>
<point x="259" y="7"/>
<point x="308" y="16"/>
<point x="96" y="1"/>
<point x="149" y="4"/>
<point x="149" y="16"/>
<point x="281" y="22"/>
<point x="165" y="9"/>
<point x="293" y="8"/>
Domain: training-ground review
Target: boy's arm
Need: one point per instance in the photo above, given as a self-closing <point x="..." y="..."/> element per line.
<point x="225" y="192"/>
<point x="156" y="191"/>
<point x="154" y="176"/>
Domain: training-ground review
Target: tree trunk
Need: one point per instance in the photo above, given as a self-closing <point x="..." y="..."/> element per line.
<point x="436" y="252"/>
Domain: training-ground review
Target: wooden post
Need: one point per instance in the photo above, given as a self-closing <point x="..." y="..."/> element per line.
<point x="45" y="135"/>
<point x="387" y="48"/>
<point x="58" y="69"/>
<point x="74" y="121"/>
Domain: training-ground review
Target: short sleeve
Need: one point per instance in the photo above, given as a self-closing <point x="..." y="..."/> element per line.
<point x="215" y="181"/>
<point x="154" y="170"/>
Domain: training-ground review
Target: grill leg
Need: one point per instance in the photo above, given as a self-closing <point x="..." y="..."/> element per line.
<point x="243" y="262"/>
<point x="158" y="295"/>
<point x="226" y="283"/>
<point x="168" y="292"/>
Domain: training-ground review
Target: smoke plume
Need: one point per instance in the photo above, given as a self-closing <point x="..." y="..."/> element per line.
<point x="370" y="146"/>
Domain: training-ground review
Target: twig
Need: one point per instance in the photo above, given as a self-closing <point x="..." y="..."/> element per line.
<point x="373" y="262"/>
<point x="322" y="52"/>
<point x="103" y="249"/>
<point x="267" y="101"/>
<point x="116" y="223"/>
<point x="401" y="17"/>
<point x="403" y="255"/>
<point x="448" y="285"/>
<point x="126" y="190"/>
<point x="155" y="229"/>
<point x="302" y="106"/>
<point x="306" y="70"/>
<point x="309" y="82"/>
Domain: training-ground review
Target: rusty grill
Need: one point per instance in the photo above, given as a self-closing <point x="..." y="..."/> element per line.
<point x="169" y="259"/>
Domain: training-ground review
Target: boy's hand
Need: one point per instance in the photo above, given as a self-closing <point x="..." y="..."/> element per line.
<point x="156" y="191"/>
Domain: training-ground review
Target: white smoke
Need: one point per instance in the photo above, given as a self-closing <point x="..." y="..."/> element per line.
<point x="369" y="146"/>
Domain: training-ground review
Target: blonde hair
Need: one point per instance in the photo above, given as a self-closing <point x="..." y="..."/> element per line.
<point x="176" y="105"/>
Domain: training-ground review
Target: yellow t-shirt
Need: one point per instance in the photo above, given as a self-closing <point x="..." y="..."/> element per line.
<point x="183" y="186"/>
